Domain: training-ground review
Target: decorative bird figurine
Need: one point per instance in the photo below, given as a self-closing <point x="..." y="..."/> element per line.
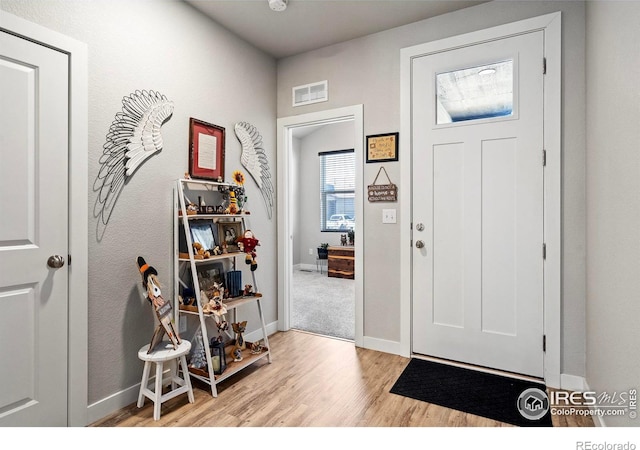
<point x="254" y="159"/>
<point x="133" y="137"/>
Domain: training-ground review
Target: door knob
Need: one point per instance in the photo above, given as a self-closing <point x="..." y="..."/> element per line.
<point x="55" y="261"/>
<point x="419" y="244"/>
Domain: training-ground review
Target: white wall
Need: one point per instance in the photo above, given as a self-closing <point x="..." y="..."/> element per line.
<point x="336" y="136"/>
<point x="209" y="74"/>
<point x="613" y="199"/>
<point x="367" y="71"/>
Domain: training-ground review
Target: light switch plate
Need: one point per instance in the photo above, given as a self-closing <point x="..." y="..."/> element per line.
<point x="388" y="216"/>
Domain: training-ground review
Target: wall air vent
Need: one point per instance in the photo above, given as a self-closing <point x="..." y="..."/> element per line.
<point x="310" y="93"/>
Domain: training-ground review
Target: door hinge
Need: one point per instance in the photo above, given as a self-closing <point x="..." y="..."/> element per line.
<point x="68" y="260"/>
<point x="544" y="342"/>
<point x="544" y="66"/>
<point x="544" y="158"/>
<point x="544" y="251"/>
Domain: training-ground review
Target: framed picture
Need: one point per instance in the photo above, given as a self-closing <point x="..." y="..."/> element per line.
<point x="209" y="275"/>
<point x="382" y="147"/>
<point x="202" y="231"/>
<point x="206" y="150"/>
<point x="228" y="233"/>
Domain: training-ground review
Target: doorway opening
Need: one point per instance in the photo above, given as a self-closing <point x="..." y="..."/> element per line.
<point x="323" y="218"/>
<point x="299" y="231"/>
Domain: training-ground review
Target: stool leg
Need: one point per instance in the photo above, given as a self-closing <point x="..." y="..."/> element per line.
<point x="158" y="392"/>
<point x="173" y="373"/>
<point x="144" y="383"/>
<point x="187" y="378"/>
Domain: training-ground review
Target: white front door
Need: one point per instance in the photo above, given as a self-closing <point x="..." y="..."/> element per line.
<point x="34" y="148"/>
<point x="477" y="171"/>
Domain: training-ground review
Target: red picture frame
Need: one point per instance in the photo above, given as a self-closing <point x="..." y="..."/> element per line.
<point x="206" y="150"/>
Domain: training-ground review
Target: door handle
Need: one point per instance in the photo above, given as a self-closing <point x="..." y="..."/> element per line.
<point x="419" y="244"/>
<point x="55" y="261"/>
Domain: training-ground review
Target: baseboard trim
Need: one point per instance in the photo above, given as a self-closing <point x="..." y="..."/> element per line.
<point x="257" y="334"/>
<point x="598" y="419"/>
<point x="572" y="382"/>
<point x="311" y="267"/>
<point x="111" y="404"/>
<point x="382" y="345"/>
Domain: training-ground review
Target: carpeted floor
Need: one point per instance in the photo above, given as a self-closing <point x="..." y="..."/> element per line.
<point x="323" y="305"/>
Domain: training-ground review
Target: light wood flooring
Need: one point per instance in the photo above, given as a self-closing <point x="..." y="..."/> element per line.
<point x="313" y="381"/>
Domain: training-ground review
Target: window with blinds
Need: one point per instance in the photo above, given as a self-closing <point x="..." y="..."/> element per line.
<point x="337" y="190"/>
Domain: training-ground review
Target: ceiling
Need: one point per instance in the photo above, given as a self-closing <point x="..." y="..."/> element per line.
<point x="310" y="24"/>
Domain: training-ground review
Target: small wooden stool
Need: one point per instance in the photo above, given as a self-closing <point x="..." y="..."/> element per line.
<point x="159" y="356"/>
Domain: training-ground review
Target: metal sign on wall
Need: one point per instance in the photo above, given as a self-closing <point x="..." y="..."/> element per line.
<point x="382" y="192"/>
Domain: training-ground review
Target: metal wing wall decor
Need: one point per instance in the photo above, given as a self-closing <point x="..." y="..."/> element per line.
<point x="134" y="135"/>
<point x="254" y="159"/>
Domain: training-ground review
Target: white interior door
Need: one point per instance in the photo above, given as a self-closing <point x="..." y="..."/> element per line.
<point x="34" y="131"/>
<point x="477" y="171"/>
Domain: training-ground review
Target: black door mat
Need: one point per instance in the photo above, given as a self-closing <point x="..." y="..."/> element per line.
<point x="470" y="391"/>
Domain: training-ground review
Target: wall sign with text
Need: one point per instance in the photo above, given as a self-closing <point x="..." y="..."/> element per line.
<point x="382" y="147"/>
<point x="382" y="192"/>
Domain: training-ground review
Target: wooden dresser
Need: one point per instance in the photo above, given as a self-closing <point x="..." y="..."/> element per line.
<point x="341" y="262"/>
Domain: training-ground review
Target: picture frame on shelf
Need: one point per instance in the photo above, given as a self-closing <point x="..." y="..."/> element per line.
<point x="228" y="233"/>
<point x="209" y="275"/>
<point x="206" y="150"/>
<point x="382" y="147"/>
<point x="204" y="232"/>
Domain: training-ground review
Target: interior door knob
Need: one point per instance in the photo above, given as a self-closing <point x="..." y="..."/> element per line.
<point x="419" y="244"/>
<point x="55" y="261"/>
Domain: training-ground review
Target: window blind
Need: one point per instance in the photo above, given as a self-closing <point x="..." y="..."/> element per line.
<point x="337" y="190"/>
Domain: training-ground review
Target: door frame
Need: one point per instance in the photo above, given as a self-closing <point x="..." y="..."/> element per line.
<point x="77" y="385"/>
<point x="550" y="24"/>
<point x="285" y="126"/>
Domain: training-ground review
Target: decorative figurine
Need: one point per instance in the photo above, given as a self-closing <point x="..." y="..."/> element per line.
<point x="192" y="209"/>
<point x="200" y="252"/>
<point x="161" y="307"/>
<point x="237" y="354"/>
<point x="197" y="357"/>
<point x="248" y="290"/>
<point x="216" y="307"/>
<point x="343" y="239"/>
<point x="233" y="204"/>
<point x="238" y="329"/>
<point x="249" y="243"/>
<point x="256" y="348"/>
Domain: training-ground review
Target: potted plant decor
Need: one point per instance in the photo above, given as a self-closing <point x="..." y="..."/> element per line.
<point x="323" y="251"/>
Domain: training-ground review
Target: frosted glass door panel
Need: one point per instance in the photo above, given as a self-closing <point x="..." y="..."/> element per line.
<point x="481" y="92"/>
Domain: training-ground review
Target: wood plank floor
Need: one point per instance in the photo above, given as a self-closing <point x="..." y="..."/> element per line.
<point x="313" y="381"/>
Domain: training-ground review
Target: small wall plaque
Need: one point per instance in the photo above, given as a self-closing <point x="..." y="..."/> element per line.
<point x="382" y="147"/>
<point x="382" y="192"/>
